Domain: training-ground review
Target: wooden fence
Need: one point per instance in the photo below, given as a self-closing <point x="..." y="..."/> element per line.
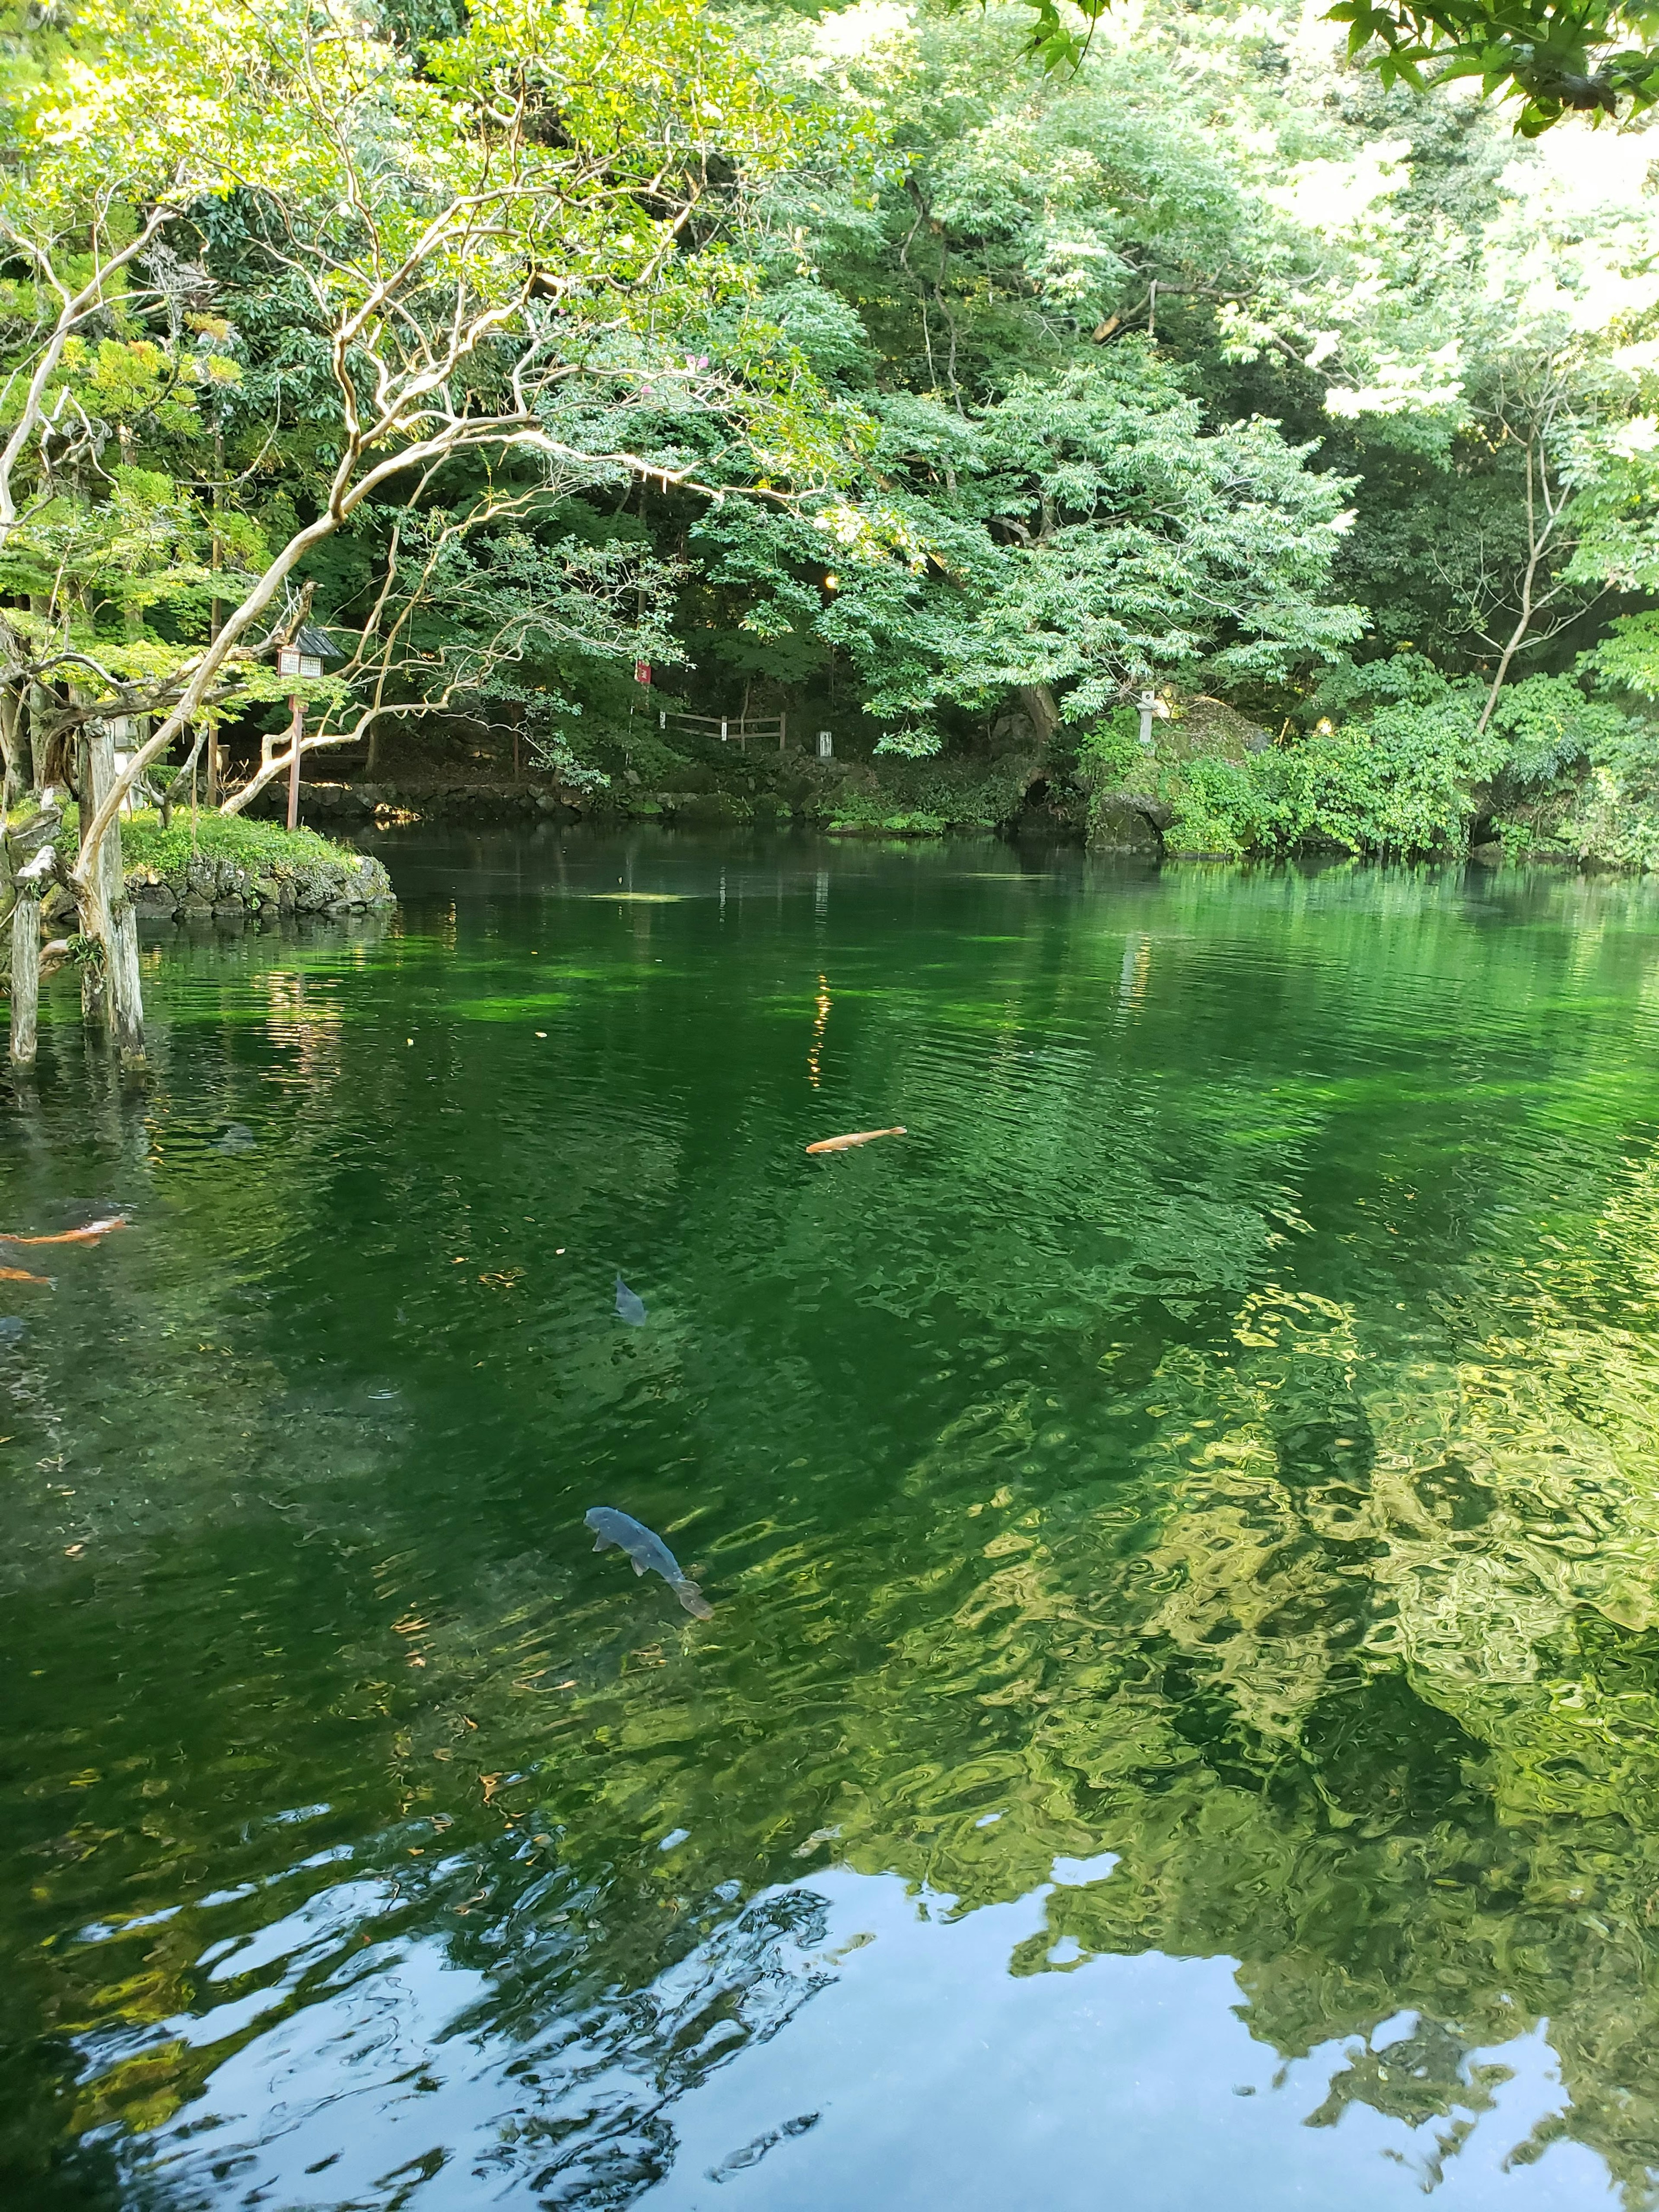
<point x="734" y="729"/>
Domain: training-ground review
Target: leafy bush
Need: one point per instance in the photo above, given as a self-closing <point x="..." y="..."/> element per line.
<point x="1220" y="807"/>
<point x="1109" y="753"/>
<point x="1409" y="770"/>
<point x="1552" y="726"/>
<point x="1401" y="784"/>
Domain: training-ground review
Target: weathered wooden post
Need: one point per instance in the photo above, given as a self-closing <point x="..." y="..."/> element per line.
<point x="28" y="884"/>
<point x="296" y="731"/>
<point x="120" y="996"/>
<point x="303" y="658"/>
<point x="93" y="920"/>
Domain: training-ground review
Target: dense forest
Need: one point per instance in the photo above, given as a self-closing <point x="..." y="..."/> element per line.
<point x="586" y="379"/>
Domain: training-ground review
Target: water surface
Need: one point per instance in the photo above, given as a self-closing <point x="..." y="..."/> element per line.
<point x="1179" y="1724"/>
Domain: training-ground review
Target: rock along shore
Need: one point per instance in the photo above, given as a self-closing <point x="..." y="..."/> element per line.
<point x="205" y="888"/>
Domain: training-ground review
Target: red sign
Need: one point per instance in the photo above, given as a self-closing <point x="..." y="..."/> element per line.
<point x="642" y="672"/>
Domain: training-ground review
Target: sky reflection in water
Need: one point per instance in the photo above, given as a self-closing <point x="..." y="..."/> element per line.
<point x="933" y="2077"/>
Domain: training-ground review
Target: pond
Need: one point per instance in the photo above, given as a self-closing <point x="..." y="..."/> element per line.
<point x="1179" y="1722"/>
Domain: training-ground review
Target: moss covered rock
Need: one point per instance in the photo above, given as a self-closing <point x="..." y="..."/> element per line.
<point x="227" y="868"/>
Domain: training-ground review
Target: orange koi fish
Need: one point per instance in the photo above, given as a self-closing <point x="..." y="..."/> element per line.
<point x="89" y="1235"/>
<point x="860" y="1136"/>
<point x="21" y="1275"/>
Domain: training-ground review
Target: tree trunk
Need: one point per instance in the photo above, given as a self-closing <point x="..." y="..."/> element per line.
<point x="14" y="773"/>
<point x="1038" y="702"/>
<point x="107" y="917"/>
<point x="1537" y="544"/>
<point x="1517" y="637"/>
<point x="40" y="739"/>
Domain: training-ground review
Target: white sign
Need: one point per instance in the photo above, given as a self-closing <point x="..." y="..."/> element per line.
<point x="826" y="745"/>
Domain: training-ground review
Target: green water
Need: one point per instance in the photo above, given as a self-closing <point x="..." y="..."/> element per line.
<point x="1179" y="1724"/>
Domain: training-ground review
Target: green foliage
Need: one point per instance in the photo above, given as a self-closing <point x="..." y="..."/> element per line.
<point x="927" y="797"/>
<point x="1553" y="725"/>
<point x="1629" y="655"/>
<point x="1402" y="782"/>
<point x="1221" y="807"/>
<point x="296" y="326"/>
<point x="1109" y="752"/>
<point x="1557" y="61"/>
<point x="1217" y="364"/>
<point x="1095" y="531"/>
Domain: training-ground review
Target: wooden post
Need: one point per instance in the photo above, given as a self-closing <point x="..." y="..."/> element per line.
<point x="114" y="924"/>
<point x="93" y="1001"/>
<point x="296" y="732"/>
<point x="126" y="1001"/>
<point x="31" y="880"/>
<point x="783" y="724"/>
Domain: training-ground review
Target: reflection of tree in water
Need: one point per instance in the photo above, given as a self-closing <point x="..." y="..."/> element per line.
<point x="1335" y="1620"/>
<point x="1385" y="1729"/>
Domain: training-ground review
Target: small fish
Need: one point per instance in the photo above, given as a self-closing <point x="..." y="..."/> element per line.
<point x="629" y="1305"/>
<point x="648" y="1552"/>
<point x="238" y="1138"/>
<point x="21" y="1275"/>
<point x="860" y="1137"/>
<point x="89" y="1235"/>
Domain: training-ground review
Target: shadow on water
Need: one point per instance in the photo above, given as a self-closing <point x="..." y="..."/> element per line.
<point x="1181" y="1695"/>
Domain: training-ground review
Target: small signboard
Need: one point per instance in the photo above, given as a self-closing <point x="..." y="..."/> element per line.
<point x="826" y="745"/>
<point x="642" y="672"/>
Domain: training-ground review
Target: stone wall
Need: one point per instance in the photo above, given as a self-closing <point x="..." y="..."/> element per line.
<point x="203" y="889"/>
